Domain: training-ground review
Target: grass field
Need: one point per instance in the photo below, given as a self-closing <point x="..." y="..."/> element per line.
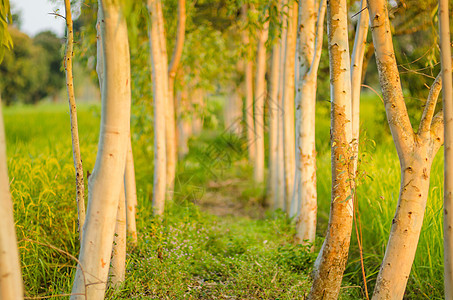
<point x="196" y="251"/>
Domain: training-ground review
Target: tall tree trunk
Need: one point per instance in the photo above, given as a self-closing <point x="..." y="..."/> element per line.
<point x="248" y="109"/>
<point x="106" y="181"/>
<point x="160" y="90"/>
<point x="273" y="122"/>
<point x="170" y="127"/>
<point x="80" y="186"/>
<point x="447" y="95"/>
<point x="131" y="195"/>
<point x="288" y="105"/>
<point x="171" y="121"/>
<point x="279" y="200"/>
<point x="310" y="36"/>
<point x="260" y="96"/>
<point x="415" y="151"/>
<point x="332" y="259"/>
<point x="117" y="272"/>
<point x="184" y="126"/>
<point x="10" y="275"/>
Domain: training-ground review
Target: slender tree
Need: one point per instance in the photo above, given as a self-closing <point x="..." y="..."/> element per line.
<point x="106" y="181"/>
<point x="159" y="78"/>
<point x="118" y="269"/>
<point x="80" y="186"/>
<point x="11" y="286"/>
<point x="273" y="108"/>
<point x="248" y="109"/>
<point x="260" y="96"/>
<point x="331" y="261"/>
<point x="415" y="151"/>
<point x="447" y="95"/>
<point x="310" y="36"/>
<point x="288" y="104"/>
<point x="131" y="195"/>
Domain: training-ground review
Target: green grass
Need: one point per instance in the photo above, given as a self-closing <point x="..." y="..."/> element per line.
<point x="190" y="253"/>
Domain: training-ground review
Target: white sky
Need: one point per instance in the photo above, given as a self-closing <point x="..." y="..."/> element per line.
<point x="34" y="15"/>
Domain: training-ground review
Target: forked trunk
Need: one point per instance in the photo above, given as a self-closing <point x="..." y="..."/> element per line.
<point x="10" y="276"/>
<point x="160" y="89"/>
<point x="310" y="36"/>
<point x="106" y="181"/>
<point x="332" y="258"/>
<point x="447" y="94"/>
<point x="260" y="96"/>
<point x="415" y="151"/>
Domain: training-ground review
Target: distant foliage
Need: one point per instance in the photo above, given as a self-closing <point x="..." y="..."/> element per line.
<point x="32" y="70"/>
<point x="6" y="43"/>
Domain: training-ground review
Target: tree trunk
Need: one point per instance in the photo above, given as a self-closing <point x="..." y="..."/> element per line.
<point x="415" y="152"/>
<point x="170" y="127"/>
<point x="160" y="90"/>
<point x="447" y="94"/>
<point x="310" y="36"/>
<point x="131" y="195"/>
<point x="80" y="186"/>
<point x="106" y="181"/>
<point x="184" y="126"/>
<point x="10" y="275"/>
<point x="171" y="122"/>
<point x="332" y="258"/>
<point x="273" y="123"/>
<point x="248" y="110"/>
<point x="260" y="96"/>
<point x="288" y="105"/>
<point x="117" y="272"/>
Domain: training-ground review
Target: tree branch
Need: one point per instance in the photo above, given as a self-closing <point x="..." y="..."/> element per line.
<point x="437" y="128"/>
<point x="180" y="35"/>
<point x="431" y="101"/>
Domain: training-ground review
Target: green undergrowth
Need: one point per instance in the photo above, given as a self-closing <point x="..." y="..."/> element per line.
<point x="191" y="253"/>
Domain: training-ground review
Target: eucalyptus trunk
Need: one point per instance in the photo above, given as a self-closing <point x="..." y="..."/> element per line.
<point x="260" y="96"/>
<point x="160" y="90"/>
<point x="118" y="269"/>
<point x="415" y="151"/>
<point x="288" y="105"/>
<point x="131" y="195"/>
<point x="447" y="94"/>
<point x="80" y="186"/>
<point x="310" y="36"/>
<point x="11" y="286"/>
<point x="106" y="181"/>
<point x="331" y="261"/>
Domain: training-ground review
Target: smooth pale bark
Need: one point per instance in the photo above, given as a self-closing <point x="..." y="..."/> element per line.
<point x="131" y="195"/>
<point x="279" y="201"/>
<point x="248" y="109"/>
<point x="184" y="124"/>
<point x="172" y="69"/>
<point x="274" y="111"/>
<point x="415" y="151"/>
<point x="358" y="53"/>
<point x="233" y="112"/>
<point x="10" y="275"/>
<point x="288" y="105"/>
<point x="260" y="96"/>
<point x="310" y="36"/>
<point x="197" y="97"/>
<point x="170" y="126"/>
<point x="118" y="269"/>
<point x="447" y="95"/>
<point x="80" y="186"/>
<point x="106" y="181"/>
<point x="159" y="68"/>
<point x="331" y="261"/>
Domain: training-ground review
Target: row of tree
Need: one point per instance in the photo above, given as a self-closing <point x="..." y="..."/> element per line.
<point x="296" y="31"/>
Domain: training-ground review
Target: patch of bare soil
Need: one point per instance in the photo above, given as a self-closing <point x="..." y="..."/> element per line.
<point x="226" y="198"/>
